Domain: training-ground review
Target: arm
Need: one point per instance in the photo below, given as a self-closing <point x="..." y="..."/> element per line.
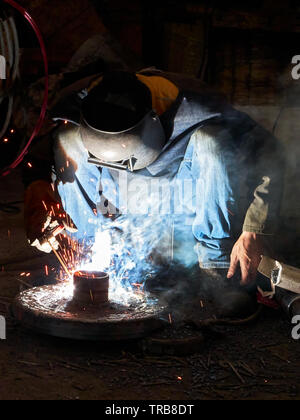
<point x="43" y="211"/>
<point x="265" y="157"/>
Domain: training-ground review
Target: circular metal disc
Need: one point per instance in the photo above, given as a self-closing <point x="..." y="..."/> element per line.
<point x="50" y="310"/>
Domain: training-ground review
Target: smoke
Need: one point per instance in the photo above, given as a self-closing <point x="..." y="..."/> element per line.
<point x="124" y="249"/>
<point x="167" y="226"/>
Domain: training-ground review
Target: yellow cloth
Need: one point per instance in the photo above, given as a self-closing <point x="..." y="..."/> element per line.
<point x="164" y="92"/>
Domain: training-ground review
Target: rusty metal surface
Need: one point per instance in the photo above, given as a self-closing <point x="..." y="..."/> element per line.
<point x="50" y="310"/>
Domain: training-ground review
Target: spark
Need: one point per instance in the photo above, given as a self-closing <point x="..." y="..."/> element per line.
<point x="44" y="204"/>
<point x="29" y="164"/>
<point x="170" y="318"/>
<point x="46" y="270"/>
<point x="125" y="266"/>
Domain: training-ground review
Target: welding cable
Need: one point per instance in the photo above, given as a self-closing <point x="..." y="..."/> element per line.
<point x="8" y="115"/>
<point x="3" y="47"/>
<point x="9" y="42"/>
<point x="9" y="105"/>
<point x="10" y="48"/>
<point x="17" y="49"/>
<point x="40" y="122"/>
<point x="210" y="322"/>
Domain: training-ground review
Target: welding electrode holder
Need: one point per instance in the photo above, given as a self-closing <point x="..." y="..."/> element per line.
<point x="50" y="233"/>
<point x="124" y="166"/>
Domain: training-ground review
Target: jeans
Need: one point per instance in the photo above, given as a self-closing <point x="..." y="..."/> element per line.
<point x="201" y="219"/>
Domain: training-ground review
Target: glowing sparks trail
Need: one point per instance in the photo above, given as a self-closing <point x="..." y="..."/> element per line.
<point x="126" y="266"/>
<point x="122" y="248"/>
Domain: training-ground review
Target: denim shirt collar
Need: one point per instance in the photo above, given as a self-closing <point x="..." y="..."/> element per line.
<point x="189" y="112"/>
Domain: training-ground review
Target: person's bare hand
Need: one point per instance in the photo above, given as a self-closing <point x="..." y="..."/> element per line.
<point x="246" y="254"/>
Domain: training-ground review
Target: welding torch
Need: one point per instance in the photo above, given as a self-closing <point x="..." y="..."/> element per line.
<point x="52" y="233"/>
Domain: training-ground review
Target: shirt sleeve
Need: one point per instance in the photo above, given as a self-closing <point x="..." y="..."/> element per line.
<point x="264" y="156"/>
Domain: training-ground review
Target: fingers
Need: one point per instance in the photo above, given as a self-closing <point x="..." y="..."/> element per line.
<point x="47" y="223"/>
<point x="71" y="229"/>
<point x="46" y="247"/>
<point x="52" y="241"/>
<point x="245" y="272"/>
<point x="248" y="272"/>
<point x="43" y="248"/>
<point x="233" y="266"/>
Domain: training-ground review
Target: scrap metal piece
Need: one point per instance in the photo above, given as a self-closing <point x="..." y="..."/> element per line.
<point x="91" y="287"/>
<point x="51" y="310"/>
<point x="281" y="275"/>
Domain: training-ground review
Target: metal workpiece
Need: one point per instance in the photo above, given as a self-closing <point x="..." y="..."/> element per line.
<point x="52" y="310"/>
<point x="91" y="288"/>
<point x="281" y="275"/>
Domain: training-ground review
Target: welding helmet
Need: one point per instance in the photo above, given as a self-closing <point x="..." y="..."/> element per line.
<point x="119" y="128"/>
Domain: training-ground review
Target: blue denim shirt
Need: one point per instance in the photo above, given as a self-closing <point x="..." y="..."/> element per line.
<point x="184" y="205"/>
<point x="197" y="215"/>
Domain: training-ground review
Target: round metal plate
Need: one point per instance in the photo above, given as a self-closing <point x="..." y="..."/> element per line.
<point x="50" y="310"/>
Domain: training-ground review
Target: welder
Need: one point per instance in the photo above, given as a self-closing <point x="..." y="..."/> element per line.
<point x="195" y="179"/>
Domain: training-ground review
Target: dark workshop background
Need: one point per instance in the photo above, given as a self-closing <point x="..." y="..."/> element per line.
<point x="243" y="49"/>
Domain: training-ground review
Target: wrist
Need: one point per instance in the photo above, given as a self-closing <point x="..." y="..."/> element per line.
<point x="251" y="235"/>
